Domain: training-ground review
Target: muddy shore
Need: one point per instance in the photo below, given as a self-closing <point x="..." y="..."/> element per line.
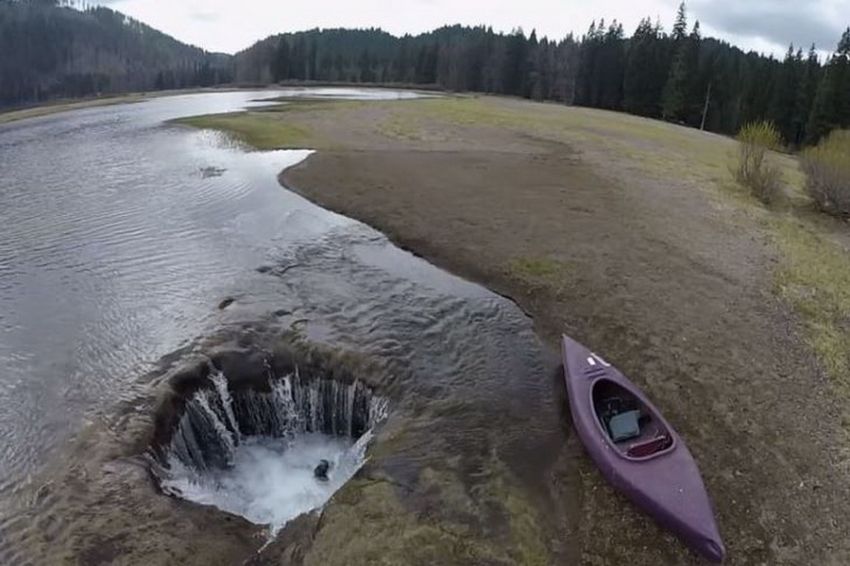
<point x="620" y="231"/>
<point x="672" y="284"/>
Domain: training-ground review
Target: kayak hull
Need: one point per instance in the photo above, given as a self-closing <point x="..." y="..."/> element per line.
<point x="666" y="484"/>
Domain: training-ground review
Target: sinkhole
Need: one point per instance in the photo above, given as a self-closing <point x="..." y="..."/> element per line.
<point x="268" y="448"/>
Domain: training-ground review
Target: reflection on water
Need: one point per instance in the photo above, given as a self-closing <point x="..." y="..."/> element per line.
<point x="116" y="244"/>
<point x="123" y="239"/>
<point x="343" y="93"/>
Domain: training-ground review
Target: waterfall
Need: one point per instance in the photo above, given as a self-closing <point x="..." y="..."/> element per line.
<point x="216" y="420"/>
<point x="253" y="451"/>
<point x="220" y="383"/>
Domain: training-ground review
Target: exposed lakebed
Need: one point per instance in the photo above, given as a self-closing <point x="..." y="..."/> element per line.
<point x="133" y="252"/>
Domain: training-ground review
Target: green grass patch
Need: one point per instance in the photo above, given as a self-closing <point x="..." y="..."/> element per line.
<point x="400" y="127"/>
<point x="472" y="112"/>
<point x="815" y="279"/>
<point x="290" y="105"/>
<point x="256" y="129"/>
<point x="537" y="269"/>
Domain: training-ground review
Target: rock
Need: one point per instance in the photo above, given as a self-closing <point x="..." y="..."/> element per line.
<point x="321" y="471"/>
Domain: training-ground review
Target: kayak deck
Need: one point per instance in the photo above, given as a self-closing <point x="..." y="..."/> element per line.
<point x="637" y="450"/>
<point x="631" y="427"/>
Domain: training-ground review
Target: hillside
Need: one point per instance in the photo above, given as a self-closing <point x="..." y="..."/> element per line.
<point x="50" y="50"/>
<point x="679" y="76"/>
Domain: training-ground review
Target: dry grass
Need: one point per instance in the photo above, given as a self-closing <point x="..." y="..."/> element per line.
<point x="827" y="169"/>
<point x="814" y="277"/>
<point x="753" y="168"/>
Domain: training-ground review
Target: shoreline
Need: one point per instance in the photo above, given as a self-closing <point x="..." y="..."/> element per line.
<point x="50" y="107"/>
<point x="617" y="230"/>
<point x="655" y="296"/>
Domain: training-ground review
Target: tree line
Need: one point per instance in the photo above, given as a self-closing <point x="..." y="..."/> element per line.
<point x="678" y="75"/>
<point x="64" y="48"/>
<point x="51" y="49"/>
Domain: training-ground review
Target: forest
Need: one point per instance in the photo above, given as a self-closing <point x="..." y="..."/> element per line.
<point x="51" y="49"/>
<point x="678" y="75"/>
<point x="56" y="48"/>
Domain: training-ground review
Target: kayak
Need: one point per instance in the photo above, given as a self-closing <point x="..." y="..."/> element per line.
<point x="638" y="451"/>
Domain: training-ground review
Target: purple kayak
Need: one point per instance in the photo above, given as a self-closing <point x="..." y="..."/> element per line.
<point x="638" y="451"/>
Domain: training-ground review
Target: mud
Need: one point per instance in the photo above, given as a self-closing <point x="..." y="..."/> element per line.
<point x="642" y="266"/>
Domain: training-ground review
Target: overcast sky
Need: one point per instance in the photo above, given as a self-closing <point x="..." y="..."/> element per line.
<point x="229" y="26"/>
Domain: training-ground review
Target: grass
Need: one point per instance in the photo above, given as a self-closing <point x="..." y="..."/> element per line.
<point x="368" y="521"/>
<point x="754" y="167"/>
<point x="536" y="268"/>
<point x="814" y="273"/>
<point x="280" y="126"/>
<point x="256" y="129"/>
<point x="470" y="112"/>
<point x="530" y="548"/>
<point x="401" y="127"/>
<point x="814" y="278"/>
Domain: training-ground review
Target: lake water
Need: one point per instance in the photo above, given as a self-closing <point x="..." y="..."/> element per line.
<point x="122" y="235"/>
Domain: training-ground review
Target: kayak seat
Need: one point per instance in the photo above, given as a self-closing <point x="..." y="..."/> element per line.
<point x="624" y="426"/>
<point x="649" y="447"/>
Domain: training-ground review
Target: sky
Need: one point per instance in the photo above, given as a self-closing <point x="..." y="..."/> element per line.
<point x="767" y="26"/>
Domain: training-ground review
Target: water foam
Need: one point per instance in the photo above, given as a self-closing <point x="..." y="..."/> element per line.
<point x="253" y="453"/>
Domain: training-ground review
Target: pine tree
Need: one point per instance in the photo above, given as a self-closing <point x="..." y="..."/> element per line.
<point x="532" y="71"/>
<point x="611" y="68"/>
<point x="831" y="107"/>
<point x="843" y="80"/>
<point x="678" y="96"/>
<point x="808" y="73"/>
<point x="516" y="64"/>
<point x="639" y="96"/>
<point x="587" y="81"/>
<point x="280" y="67"/>
<point x="367" y="73"/>
<point x="680" y="27"/>
<point x="785" y="94"/>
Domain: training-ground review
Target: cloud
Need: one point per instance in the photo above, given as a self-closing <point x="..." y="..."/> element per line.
<point x="224" y="25"/>
<point x="778" y="22"/>
<point x="207" y="17"/>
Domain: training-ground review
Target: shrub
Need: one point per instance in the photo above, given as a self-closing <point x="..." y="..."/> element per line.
<point x="827" y="169"/>
<point x="753" y="168"/>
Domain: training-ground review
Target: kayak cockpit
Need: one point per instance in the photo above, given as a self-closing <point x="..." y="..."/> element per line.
<point x="632" y="427"/>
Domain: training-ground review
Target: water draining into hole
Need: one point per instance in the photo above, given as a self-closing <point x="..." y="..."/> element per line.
<point x="255" y="452"/>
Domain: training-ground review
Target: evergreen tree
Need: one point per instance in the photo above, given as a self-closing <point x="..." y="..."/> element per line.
<point x="806" y="91"/>
<point x="783" y="103"/>
<point x="367" y="73"/>
<point x="533" y="69"/>
<point x="678" y="100"/>
<point x="680" y="27"/>
<point x="280" y="67"/>
<point x="611" y="67"/>
<point x="644" y="77"/>
<point x="47" y="50"/>
<point x="516" y="64"/>
<point x="831" y="107"/>
<point x="50" y="50"/>
<point x="587" y="93"/>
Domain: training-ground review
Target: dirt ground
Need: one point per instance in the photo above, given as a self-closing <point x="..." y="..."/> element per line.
<point x="626" y="234"/>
